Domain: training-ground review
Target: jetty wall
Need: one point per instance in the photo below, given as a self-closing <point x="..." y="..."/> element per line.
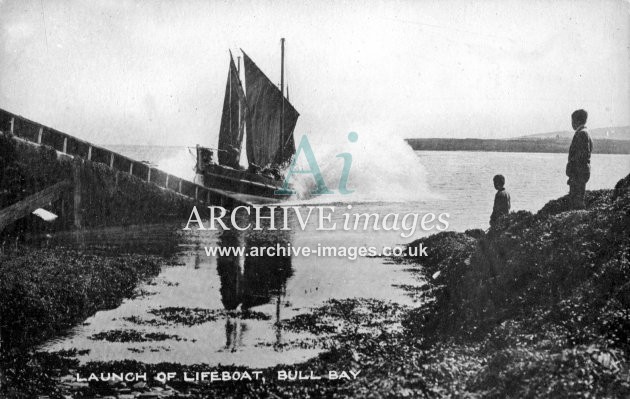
<point x="109" y="189"/>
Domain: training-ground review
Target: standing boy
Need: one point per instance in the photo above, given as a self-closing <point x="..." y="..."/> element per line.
<point x="501" y="200"/>
<point x="579" y="165"/>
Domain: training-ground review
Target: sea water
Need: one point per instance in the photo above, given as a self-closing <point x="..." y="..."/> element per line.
<point x="394" y="181"/>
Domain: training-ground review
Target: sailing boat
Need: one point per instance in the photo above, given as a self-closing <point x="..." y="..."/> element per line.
<point x="265" y="118"/>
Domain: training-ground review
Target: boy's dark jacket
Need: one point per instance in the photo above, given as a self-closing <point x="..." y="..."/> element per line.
<point x="579" y="165"/>
<point x="501" y="206"/>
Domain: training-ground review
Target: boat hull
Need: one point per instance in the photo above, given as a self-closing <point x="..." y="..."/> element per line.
<point x="240" y="181"/>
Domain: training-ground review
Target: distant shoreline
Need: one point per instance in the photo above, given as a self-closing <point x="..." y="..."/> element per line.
<point x="550" y="145"/>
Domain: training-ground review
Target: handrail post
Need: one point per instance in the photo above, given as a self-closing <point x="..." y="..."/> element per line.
<point x="78" y="168"/>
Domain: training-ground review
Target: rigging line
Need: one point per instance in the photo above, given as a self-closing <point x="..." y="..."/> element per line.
<point x="286" y="83"/>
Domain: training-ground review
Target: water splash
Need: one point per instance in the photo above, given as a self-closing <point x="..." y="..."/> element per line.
<point x="180" y="163"/>
<point x="384" y="169"/>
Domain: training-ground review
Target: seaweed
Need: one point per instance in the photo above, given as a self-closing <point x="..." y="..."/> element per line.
<point x="132" y="336"/>
<point x="194" y="316"/>
<point x="186" y="316"/>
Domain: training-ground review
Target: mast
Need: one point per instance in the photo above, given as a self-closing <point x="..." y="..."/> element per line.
<point x="282" y="90"/>
<point x="282" y="66"/>
<point x="238" y="74"/>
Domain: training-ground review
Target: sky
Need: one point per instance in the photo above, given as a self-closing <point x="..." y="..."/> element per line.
<point x="154" y="72"/>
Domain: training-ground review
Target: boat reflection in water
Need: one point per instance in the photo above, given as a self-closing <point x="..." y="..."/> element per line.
<point x="251" y="281"/>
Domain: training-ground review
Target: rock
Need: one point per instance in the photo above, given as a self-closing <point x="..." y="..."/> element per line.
<point x="116" y="384"/>
<point x="75" y="386"/>
<point x="622" y="187"/>
<point x="139" y="385"/>
<point x="168" y="393"/>
<point x="68" y="378"/>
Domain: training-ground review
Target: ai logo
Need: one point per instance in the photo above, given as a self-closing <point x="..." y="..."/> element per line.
<point x="321" y="188"/>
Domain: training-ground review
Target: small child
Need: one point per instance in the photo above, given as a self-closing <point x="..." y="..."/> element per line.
<point x="501" y="200"/>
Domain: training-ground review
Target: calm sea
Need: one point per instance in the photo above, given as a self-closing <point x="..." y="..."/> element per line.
<point x="457" y="183"/>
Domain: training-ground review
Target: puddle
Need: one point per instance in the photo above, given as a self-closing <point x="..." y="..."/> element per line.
<point x="223" y="309"/>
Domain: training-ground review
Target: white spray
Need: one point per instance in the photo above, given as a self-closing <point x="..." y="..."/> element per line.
<point x="384" y="169"/>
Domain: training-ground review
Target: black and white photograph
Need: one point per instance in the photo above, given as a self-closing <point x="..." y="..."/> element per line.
<point x="305" y="199"/>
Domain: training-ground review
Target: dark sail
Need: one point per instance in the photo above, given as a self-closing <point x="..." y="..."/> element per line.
<point x="232" y="120"/>
<point x="270" y="123"/>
